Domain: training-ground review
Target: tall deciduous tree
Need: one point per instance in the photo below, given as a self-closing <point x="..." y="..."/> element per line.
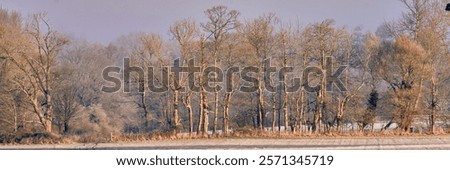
<point x="221" y="21"/>
<point x="405" y="67"/>
<point x="36" y="65"/>
<point x="321" y="40"/>
<point x="184" y="32"/>
<point x="260" y="33"/>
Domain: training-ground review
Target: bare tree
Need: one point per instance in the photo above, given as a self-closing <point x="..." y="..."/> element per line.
<point x="148" y="52"/>
<point x="37" y="68"/>
<point x="65" y="107"/>
<point x="321" y="40"/>
<point x="184" y="32"/>
<point x="221" y="20"/>
<point x="10" y="98"/>
<point x="235" y="54"/>
<point x="260" y="33"/>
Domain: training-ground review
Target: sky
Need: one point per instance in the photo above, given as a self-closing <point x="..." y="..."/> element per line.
<point x="105" y="21"/>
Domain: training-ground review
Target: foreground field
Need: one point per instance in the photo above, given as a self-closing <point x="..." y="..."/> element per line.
<point x="326" y="143"/>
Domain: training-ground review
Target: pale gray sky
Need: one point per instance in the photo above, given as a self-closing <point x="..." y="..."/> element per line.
<point x="105" y="20"/>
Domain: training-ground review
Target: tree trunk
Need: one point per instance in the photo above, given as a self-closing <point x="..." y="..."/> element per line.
<point x="387" y="125"/>
<point x="16" y="114"/>
<point x="225" y="113"/>
<point x="433" y="105"/>
<point x="278" y="110"/>
<point x="216" y="111"/>
<point x="261" y="112"/>
<point x="320" y="97"/>
<point x="285" y="110"/>
<point x="302" y="107"/>
<point x="205" y="113"/>
<point x="43" y="119"/>
<point x="340" y="113"/>
<point x="274" y="111"/>
<point x="66" y="127"/>
<point x="187" y="103"/>
<point x="176" y="118"/>
<point x="48" y="113"/>
<point x="144" y="107"/>
<point x="168" y="123"/>
<point x="317" y="113"/>
<point x="200" y="114"/>
<point x="414" y="112"/>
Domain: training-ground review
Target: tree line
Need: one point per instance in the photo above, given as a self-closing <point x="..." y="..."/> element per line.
<point x="395" y="78"/>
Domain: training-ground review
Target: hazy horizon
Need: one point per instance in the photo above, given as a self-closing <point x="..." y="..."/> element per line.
<point x="105" y="21"/>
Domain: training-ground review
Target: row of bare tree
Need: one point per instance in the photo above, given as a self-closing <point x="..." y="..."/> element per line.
<point x="396" y="76"/>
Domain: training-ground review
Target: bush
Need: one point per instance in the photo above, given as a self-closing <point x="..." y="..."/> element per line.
<point x="30" y="138"/>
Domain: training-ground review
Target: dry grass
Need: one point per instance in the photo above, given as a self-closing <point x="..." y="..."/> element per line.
<point x="44" y="138"/>
<point x="259" y="134"/>
<point x="33" y="138"/>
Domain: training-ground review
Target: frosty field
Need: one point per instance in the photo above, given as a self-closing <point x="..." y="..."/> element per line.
<point x="326" y="143"/>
